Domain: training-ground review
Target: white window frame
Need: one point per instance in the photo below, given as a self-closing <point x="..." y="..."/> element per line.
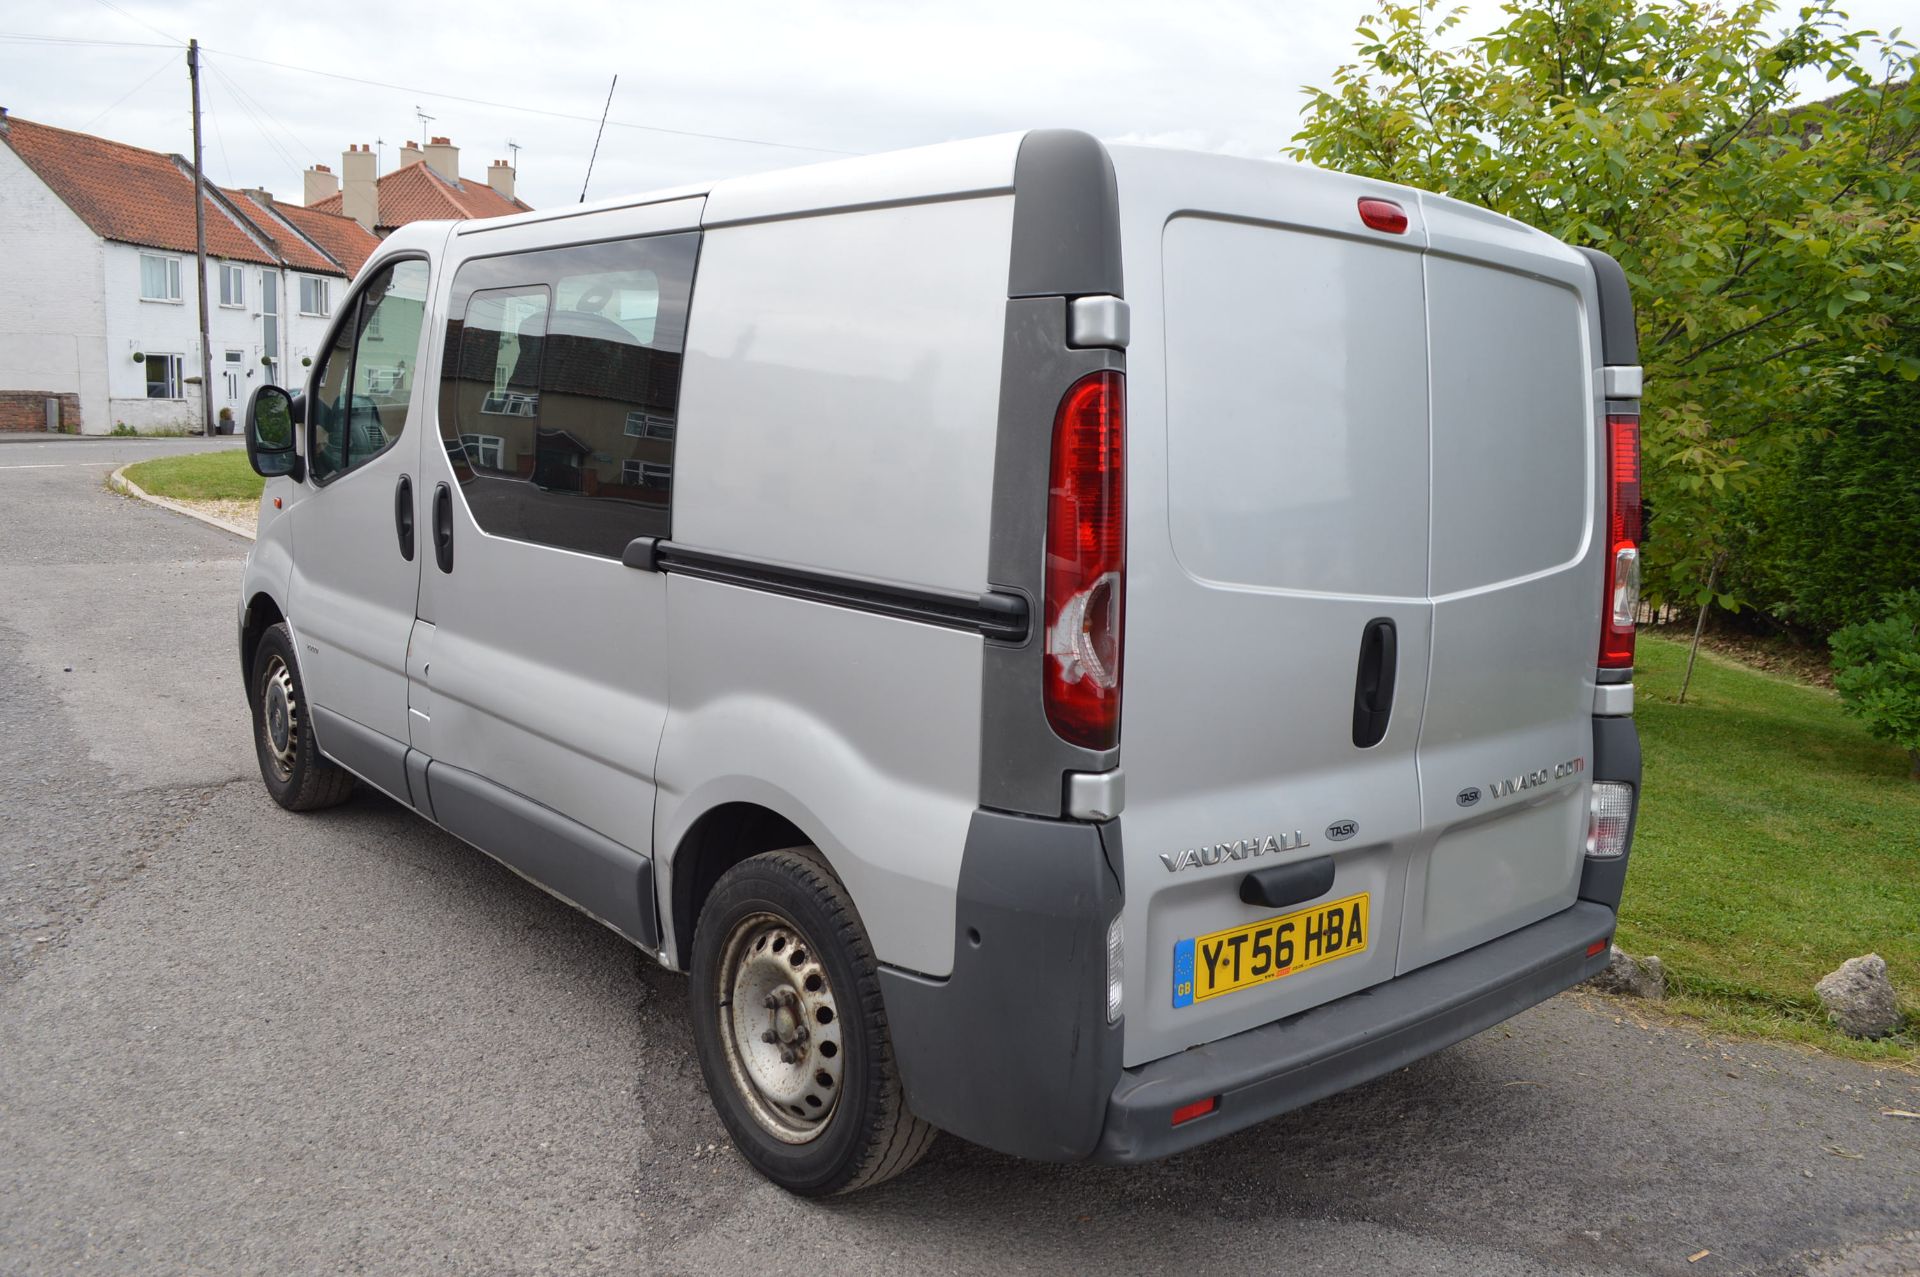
<point x="478" y="448"/>
<point x="174" y="382"/>
<point x="648" y="474"/>
<point x="172" y="273"/>
<point x="320" y="293"/>
<point x="642" y="424"/>
<point x="233" y="284"/>
<point x="511" y="403"/>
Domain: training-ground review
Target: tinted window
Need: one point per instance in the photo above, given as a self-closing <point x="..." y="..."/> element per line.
<point x="561" y="385"/>
<point x="365" y="382"/>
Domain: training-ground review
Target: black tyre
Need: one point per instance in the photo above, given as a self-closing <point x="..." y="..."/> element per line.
<point x="296" y="775"/>
<point x="791" y="1033"/>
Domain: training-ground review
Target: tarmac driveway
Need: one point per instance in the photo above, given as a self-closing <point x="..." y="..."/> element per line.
<point x="235" y="1040"/>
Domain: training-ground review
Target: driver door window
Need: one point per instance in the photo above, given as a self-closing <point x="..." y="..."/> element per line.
<point x="365" y="380"/>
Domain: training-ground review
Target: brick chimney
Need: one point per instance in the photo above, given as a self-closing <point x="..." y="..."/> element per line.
<point x="360" y="185"/>
<point x="321" y="185"/>
<point x="443" y="157"/>
<point x="500" y="178"/>
<point x="411" y="154"/>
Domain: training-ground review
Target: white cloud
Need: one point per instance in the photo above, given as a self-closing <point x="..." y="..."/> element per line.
<point x="860" y="75"/>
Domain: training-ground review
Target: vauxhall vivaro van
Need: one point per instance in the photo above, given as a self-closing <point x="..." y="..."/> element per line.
<point x="1086" y="648"/>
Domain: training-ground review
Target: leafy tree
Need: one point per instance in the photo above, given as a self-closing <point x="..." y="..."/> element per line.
<point x="1770" y="246"/>
<point x="1876" y="670"/>
<point x="1823" y="539"/>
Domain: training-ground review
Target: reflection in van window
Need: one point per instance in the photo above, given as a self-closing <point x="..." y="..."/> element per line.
<point x="561" y="387"/>
<point x="365" y="383"/>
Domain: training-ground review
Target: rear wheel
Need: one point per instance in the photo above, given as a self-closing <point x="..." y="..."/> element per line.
<point x="791" y="1032"/>
<point x="296" y="774"/>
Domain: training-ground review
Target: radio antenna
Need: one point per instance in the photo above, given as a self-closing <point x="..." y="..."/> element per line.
<point x="596" y="138"/>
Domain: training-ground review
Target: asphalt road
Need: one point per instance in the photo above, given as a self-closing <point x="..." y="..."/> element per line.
<point x="237" y="1040"/>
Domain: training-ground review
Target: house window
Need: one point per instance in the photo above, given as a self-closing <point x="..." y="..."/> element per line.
<point x="642" y="424"/>
<point x="510" y="403"/>
<point x="159" y="278"/>
<point x="163" y="377"/>
<point x="647" y="474"/>
<point x="484" y="451"/>
<point x="313" y="296"/>
<point x="233" y="285"/>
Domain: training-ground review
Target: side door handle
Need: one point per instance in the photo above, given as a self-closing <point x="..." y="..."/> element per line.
<point x="1373" y="685"/>
<point x="443" y="527"/>
<point x="403" y="515"/>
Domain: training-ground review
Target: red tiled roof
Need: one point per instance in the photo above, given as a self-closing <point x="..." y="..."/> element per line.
<point x="415" y="193"/>
<point x="342" y="244"/>
<point x="293" y="249"/>
<point x="127" y="194"/>
<point x="343" y="239"/>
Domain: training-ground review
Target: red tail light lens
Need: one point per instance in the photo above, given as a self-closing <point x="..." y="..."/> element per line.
<point x="1384" y="215"/>
<point x="1623" y="542"/>
<point x="1087" y="561"/>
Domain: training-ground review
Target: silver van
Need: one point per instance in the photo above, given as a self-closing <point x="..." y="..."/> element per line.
<point x="1082" y="647"/>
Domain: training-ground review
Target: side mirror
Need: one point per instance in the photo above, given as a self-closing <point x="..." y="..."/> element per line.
<point x="270" y="421"/>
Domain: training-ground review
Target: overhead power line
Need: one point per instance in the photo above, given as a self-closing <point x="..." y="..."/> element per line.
<point x="109" y="4"/>
<point x="533" y="110"/>
<point x="119" y="101"/>
<point x="22" y="37"/>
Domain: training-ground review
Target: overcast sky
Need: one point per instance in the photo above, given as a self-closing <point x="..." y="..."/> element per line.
<point x="856" y="76"/>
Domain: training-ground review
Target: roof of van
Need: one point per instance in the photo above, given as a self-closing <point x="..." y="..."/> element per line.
<point x="976" y="167"/>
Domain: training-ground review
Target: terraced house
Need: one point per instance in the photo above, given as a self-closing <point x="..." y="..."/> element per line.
<point x="99" y="319"/>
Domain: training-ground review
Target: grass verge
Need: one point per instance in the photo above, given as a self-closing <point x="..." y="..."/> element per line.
<point x="202" y="476"/>
<point x="1776" y="840"/>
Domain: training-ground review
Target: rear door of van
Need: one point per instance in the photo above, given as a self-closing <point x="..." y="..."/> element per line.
<point x="1279" y="481"/>
<point x="1515" y="580"/>
<point x="1364" y="587"/>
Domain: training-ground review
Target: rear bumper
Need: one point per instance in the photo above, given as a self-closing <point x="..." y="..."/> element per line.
<point x="1290" y="1063"/>
<point x="1013" y="1049"/>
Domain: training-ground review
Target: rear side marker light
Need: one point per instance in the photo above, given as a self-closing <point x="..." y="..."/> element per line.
<point x="1116" y="954"/>
<point x="1622" y="589"/>
<point x="1086" y="566"/>
<point x="1611" y="813"/>
<point x="1384" y="215"/>
<point x="1199" y="1108"/>
<point x="1597" y="948"/>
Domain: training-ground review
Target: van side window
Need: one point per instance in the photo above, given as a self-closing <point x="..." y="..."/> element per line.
<point x="365" y="378"/>
<point x="561" y="387"/>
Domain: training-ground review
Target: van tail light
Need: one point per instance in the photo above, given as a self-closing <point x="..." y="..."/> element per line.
<point x="1622" y="598"/>
<point x="1609" y="813"/>
<point x="1086" y="579"/>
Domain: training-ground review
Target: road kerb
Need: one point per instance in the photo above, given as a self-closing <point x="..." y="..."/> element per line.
<point x="119" y="482"/>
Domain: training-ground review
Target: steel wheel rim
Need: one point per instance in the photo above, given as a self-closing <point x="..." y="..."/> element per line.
<point x="279" y="716"/>
<point x="779" y="1028"/>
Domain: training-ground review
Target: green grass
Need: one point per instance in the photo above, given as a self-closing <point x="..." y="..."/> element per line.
<point x="1776" y="840"/>
<point x="204" y="476"/>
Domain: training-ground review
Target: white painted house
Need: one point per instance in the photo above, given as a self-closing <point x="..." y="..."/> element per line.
<point x="99" y="318"/>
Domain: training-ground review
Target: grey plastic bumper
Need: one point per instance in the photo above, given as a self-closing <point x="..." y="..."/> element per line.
<point x="1279" y="1067"/>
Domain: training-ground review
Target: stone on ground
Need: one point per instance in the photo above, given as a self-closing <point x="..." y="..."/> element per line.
<point x="1632" y="977"/>
<point x="1859" y="997"/>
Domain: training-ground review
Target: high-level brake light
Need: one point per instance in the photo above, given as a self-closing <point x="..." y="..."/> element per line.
<point x="1086" y="578"/>
<point x="1384" y="215"/>
<point x="1622" y="596"/>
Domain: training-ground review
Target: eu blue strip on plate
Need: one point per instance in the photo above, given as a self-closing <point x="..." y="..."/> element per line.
<point x="1183" y="974"/>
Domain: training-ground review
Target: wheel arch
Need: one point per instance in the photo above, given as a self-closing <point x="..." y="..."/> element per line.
<point x="717" y="840"/>
<point x="261" y="614"/>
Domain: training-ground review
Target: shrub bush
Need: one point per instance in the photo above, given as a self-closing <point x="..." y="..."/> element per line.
<point x="1876" y="670"/>
<point x="1834" y="530"/>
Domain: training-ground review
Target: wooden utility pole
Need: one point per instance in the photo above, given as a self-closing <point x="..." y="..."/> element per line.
<point x="200" y="245"/>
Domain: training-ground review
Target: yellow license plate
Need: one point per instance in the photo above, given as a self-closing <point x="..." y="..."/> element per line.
<point x="1273" y="949"/>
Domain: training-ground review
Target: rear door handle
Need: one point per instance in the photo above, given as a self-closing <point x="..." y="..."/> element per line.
<point x="443" y="527"/>
<point x="403" y="516"/>
<point x="1373" y="685"/>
